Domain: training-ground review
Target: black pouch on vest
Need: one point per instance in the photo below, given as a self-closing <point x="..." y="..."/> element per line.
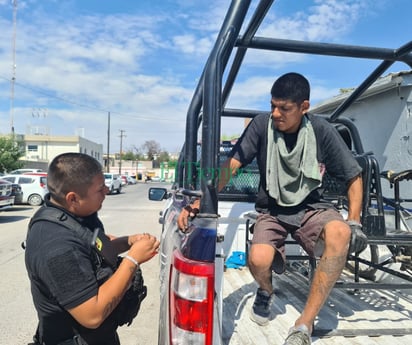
<point x="129" y="306"/>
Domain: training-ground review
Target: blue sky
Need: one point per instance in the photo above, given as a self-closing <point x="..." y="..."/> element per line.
<point x="140" y="60"/>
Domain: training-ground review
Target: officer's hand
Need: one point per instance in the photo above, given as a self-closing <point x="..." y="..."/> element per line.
<point x="358" y="241"/>
<point x="133" y="238"/>
<point x="145" y="248"/>
<point x="189" y="212"/>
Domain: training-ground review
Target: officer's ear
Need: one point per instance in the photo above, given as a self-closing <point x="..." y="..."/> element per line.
<point x="72" y="199"/>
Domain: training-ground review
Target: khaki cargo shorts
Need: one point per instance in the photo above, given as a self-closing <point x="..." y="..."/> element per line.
<point x="269" y="230"/>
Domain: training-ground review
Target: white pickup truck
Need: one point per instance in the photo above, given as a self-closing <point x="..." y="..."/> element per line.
<point x="204" y="302"/>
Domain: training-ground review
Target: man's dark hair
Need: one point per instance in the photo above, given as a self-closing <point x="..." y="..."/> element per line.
<point x="71" y="172"/>
<point x="291" y="86"/>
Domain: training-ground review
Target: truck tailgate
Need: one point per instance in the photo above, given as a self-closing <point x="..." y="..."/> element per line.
<point x="368" y="317"/>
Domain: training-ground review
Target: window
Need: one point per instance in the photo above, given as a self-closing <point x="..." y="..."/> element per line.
<point x="10" y="179"/>
<point x="32" y="148"/>
<point x="25" y="180"/>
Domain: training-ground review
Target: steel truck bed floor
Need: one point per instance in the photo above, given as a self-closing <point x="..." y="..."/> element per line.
<point x="368" y="317"/>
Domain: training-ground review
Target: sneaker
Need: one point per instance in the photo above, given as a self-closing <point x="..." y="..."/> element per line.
<point x="298" y="335"/>
<point x="261" y="307"/>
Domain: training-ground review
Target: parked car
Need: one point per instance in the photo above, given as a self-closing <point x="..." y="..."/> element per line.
<point x="6" y="197"/>
<point x="17" y="192"/>
<point x="34" y="187"/>
<point x="113" y="182"/>
<point x="22" y="171"/>
<point x="123" y="178"/>
<point x="131" y="180"/>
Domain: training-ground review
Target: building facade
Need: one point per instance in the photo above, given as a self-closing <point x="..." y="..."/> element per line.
<point x="43" y="148"/>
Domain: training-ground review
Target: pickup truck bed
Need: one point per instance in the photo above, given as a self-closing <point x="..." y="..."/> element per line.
<point x="366" y="317"/>
<point x="201" y="303"/>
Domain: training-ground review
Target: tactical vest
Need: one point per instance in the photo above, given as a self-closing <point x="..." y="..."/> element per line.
<point x="104" y="265"/>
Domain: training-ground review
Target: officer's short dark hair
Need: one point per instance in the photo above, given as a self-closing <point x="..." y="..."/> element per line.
<point x="71" y="172"/>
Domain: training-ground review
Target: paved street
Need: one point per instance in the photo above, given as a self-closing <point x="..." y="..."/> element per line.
<point x="129" y="212"/>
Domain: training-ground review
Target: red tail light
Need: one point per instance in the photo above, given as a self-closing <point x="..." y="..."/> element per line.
<point x="191" y="301"/>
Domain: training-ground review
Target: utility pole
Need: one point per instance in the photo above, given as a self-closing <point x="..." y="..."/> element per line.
<point x="121" y="144"/>
<point x="13" y="77"/>
<point x="108" y="143"/>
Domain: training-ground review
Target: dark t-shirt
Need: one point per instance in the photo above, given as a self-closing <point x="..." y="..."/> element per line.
<point x="332" y="153"/>
<point x="61" y="269"/>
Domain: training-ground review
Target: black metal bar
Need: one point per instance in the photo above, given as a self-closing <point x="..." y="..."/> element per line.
<point x="233" y="19"/>
<point x="250" y="31"/>
<point x="212" y="102"/>
<point x="397" y="205"/>
<point x="397" y="55"/>
<point x="357" y="142"/>
<point x="371" y="285"/>
<point x="361" y="89"/>
<point x="180" y="169"/>
<point x="388" y="55"/>
<point x="386" y="270"/>
<point x="373" y="332"/>
<point x="190" y="146"/>
<point x="242" y="113"/>
<point x="247" y="241"/>
<point x="389" y="239"/>
<point x="330" y="49"/>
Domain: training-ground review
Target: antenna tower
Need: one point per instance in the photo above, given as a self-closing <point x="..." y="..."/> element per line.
<point x="13" y="77"/>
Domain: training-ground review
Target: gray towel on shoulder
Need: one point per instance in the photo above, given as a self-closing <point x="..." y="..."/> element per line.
<point x="291" y="176"/>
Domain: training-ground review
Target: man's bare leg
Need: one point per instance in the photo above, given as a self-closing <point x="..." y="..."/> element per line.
<point x="336" y="236"/>
<point x="260" y="263"/>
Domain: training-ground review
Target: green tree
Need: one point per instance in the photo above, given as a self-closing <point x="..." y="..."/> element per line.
<point x="10" y="152"/>
<point x="163" y="156"/>
<point x="128" y="156"/>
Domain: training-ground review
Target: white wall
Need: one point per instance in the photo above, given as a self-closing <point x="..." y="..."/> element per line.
<point x="384" y="122"/>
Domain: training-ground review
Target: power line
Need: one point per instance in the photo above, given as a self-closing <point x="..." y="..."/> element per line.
<point x="84" y="106"/>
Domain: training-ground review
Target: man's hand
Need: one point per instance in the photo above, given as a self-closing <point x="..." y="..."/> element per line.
<point x="190" y="211"/>
<point x="358" y="241"/>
